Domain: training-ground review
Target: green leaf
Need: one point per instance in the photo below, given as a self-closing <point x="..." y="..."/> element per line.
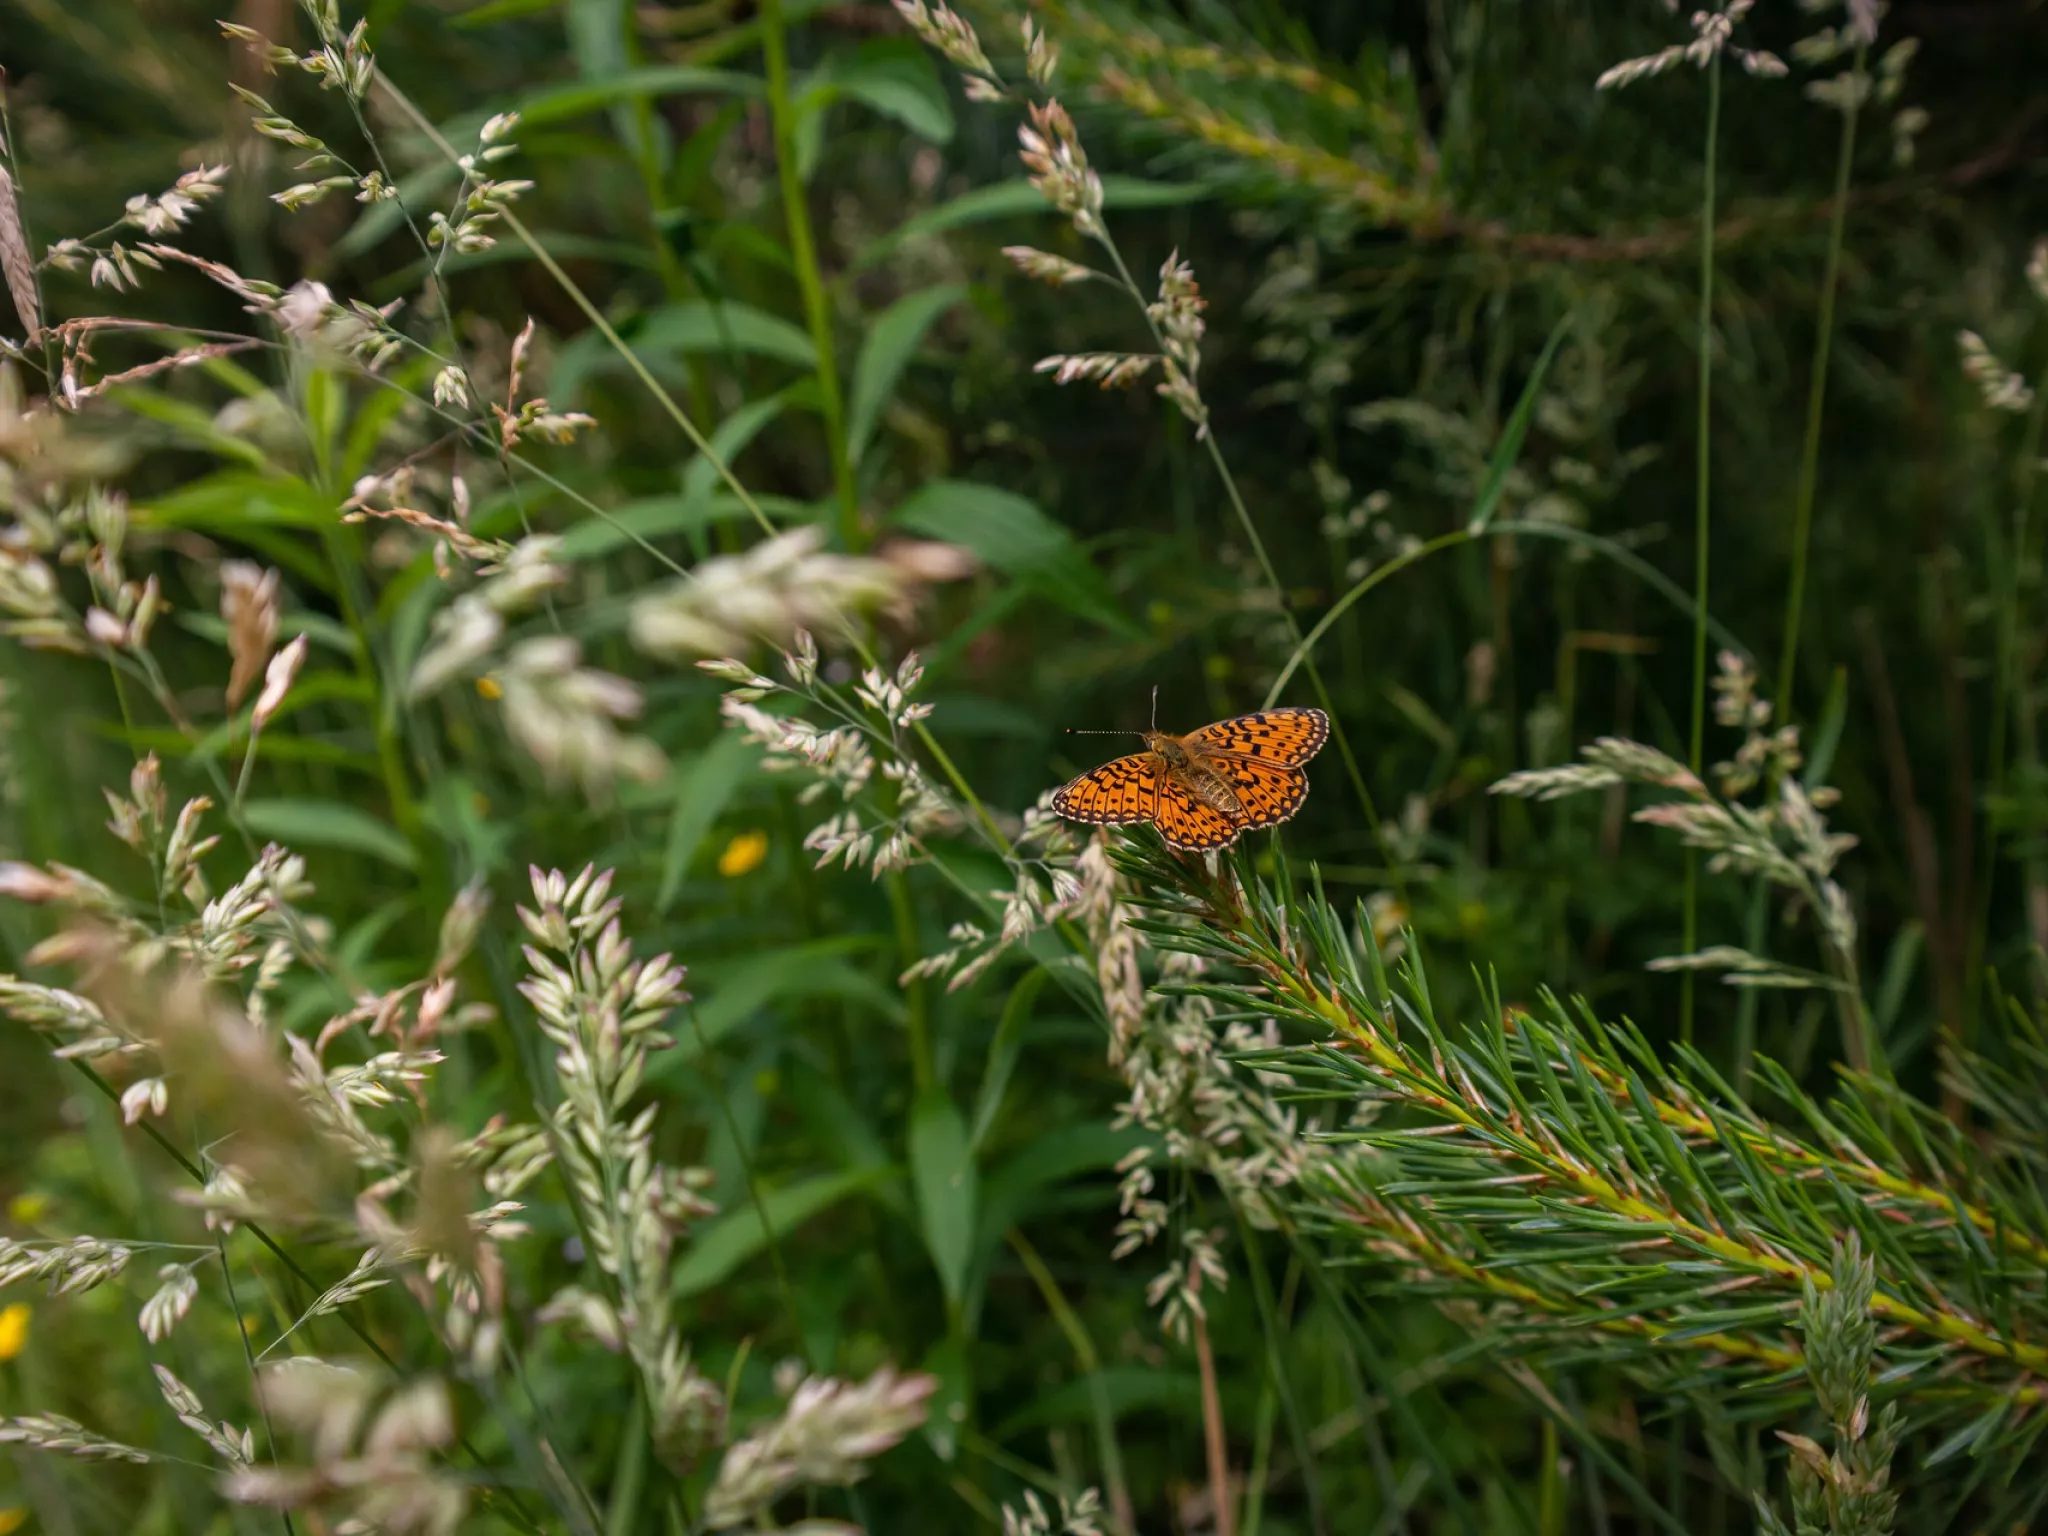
<point x="942" y="1172"/>
<point x="1127" y="1389"/>
<point x="701" y="476"/>
<point x="733" y="992"/>
<point x="558" y="103"/>
<point x="953" y="1401"/>
<point x="491" y="12"/>
<point x="1008" y="533"/>
<point x="895" y="77"/>
<point x="1509" y="448"/>
<point x="190" y="422"/>
<point x="229" y="499"/>
<point x="891" y="341"/>
<point x="1017" y="199"/>
<point x="679" y="330"/>
<point x="1003" y="1052"/>
<point x="703" y="787"/>
<point x="327" y="824"/>
<point x="657" y="517"/>
<point x="726" y="1242"/>
<point x="892" y="76"/>
<point x="1016" y="1187"/>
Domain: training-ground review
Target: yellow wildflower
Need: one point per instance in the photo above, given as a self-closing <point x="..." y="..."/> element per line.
<point x="12" y="1519"/>
<point x="743" y="854"/>
<point x="26" y="1210"/>
<point x="13" y="1329"/>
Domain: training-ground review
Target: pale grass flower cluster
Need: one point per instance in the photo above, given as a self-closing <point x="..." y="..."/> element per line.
<point x="566" y="716"/>
<point x="1784" y="839"/>
<point x="2002" y="388"/>
<point x="88" y="530"/>
<point x="513" y="579"/>
<point x="826" y="1434"/>
<point x="373" y="1456"/>
<point x="1175" y="317"/>
<point x="887" y="803"/>
<point x="248" y="606"/>
<point x="603" y="1012"/>
<point x="1209" y="1115"/>
<point x="1044" y="267"/>
<point x="170" y="210"/>
<point x="1076" y="1517"/>
<point x="1713" y="31"/>
<point x="17" y="261"/>
<point x="782" y="586"/>
<point x="941" y="27"/>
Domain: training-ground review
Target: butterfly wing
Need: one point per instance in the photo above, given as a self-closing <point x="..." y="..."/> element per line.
<point x="1267" y="793"/>
<point x="1186" y="823"/>
<point x="1123" y="790"/>
<point x="1286" y="736"/>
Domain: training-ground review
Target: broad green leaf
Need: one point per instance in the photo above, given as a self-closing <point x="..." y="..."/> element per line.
<point x="703" y="788"/>
<point x="1003" y="1052"/>
<point x="563" y="247"/>
<point x="599" y="45"/>
<point x="892" y="76"/>
<point x="491" y="12"/>
<point x="942" y="1172"/>
<point x="1509" y="448"/>
<point x="233" y="734"/>
<point x="953" y="1401"/>
<point x="274" y="747"/>
<point x="412" y="619"/>
<point x="1017" y="199"/>
<point x="730" y="42"/>
<point x="456" y="810"/>
<point x="726" y="1242"/>
<point x="731" y="992"/>
<point x="1900" y="962"/>
<point x="1008" y="533"/>
<point x="657" y="517"/>
<point x="560" y="102"/>
<point x="190" y="422"/>
<point x="1014" y="1188"/>
<point x="897" y="78"/>
<point x="228" y="499"/>
<point x="1128" y="1389"/>
<point x="679" y="330"/>
<point x="891" y="341"/>
<point x="327" y="824"/>
<point x="701" y="476"/>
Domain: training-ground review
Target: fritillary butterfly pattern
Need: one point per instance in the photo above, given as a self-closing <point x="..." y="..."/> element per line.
<point x="1204" y="789"/>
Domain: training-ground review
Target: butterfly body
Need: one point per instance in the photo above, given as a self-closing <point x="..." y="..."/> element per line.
<point x="1184" y="757"/>
<point x="1204" y="789"/>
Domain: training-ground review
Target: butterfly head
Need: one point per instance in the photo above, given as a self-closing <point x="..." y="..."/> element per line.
<point x="1170" y="748"/>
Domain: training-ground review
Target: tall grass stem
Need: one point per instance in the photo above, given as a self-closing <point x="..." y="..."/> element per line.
<point x="1702" y="520"/>
<point x="803" y="251"/>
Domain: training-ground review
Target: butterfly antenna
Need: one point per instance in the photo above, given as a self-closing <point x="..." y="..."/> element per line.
<point x="1072" y="731"/>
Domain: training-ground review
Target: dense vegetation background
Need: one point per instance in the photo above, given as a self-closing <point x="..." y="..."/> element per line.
<point x="1405" y="219"/>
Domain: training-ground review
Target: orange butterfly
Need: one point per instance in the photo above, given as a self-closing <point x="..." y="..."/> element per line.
<point x="1203" y="789"/>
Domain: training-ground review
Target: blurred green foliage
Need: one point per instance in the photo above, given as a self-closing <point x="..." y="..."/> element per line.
<point x="1390" y="209"/>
